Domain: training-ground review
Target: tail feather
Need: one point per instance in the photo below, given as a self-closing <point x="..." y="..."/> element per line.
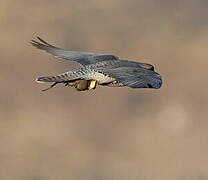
<point x="54" y="79"/>
<point x="64" y="77"/>
<point x="58" y="79"/>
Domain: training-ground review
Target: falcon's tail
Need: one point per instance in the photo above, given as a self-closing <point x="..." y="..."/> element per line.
<point x="47" y="79"/>
<point x="61" y="78"/>
<point x="64" y="78"/>
<point x="55" y="79"/>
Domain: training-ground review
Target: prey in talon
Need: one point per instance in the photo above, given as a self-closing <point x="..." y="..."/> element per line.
<point x="82" y="85"/>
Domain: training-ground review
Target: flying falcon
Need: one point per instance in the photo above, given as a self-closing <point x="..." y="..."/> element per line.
<point x="99" y="69"/>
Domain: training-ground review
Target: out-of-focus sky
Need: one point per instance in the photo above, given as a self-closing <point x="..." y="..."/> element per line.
<point x="109" y="133"/>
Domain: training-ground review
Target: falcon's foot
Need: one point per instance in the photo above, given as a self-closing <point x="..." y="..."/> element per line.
<point x="92" y="84"/>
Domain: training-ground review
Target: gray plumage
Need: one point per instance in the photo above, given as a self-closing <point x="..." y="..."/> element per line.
<point x="101" y="69"/>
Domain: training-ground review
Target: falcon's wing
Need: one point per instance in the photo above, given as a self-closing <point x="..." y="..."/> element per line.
<point x="84" y="58"/>
<point x="135" y="77"/>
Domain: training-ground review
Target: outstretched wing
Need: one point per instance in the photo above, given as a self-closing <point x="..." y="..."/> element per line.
<point x="84" y="58"/>
<point x="135" y="77"/>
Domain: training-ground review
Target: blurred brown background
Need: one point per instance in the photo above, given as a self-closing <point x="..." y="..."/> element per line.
<point x="109" y="133"/>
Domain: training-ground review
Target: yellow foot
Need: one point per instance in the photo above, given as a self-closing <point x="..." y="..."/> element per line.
<point x="92" y="84"/>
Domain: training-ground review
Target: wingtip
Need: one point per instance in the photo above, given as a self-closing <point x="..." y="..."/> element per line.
<point x="35" y="42"/>
<point x="43" y="41"/>
<point x="40" y="44"/>
<point x="39" y="38"/>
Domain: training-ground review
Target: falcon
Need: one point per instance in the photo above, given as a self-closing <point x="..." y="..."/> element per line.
<point x="99" y="69"/>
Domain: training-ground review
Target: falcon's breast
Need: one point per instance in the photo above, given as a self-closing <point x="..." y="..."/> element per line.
<point x="99" y="77"/>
